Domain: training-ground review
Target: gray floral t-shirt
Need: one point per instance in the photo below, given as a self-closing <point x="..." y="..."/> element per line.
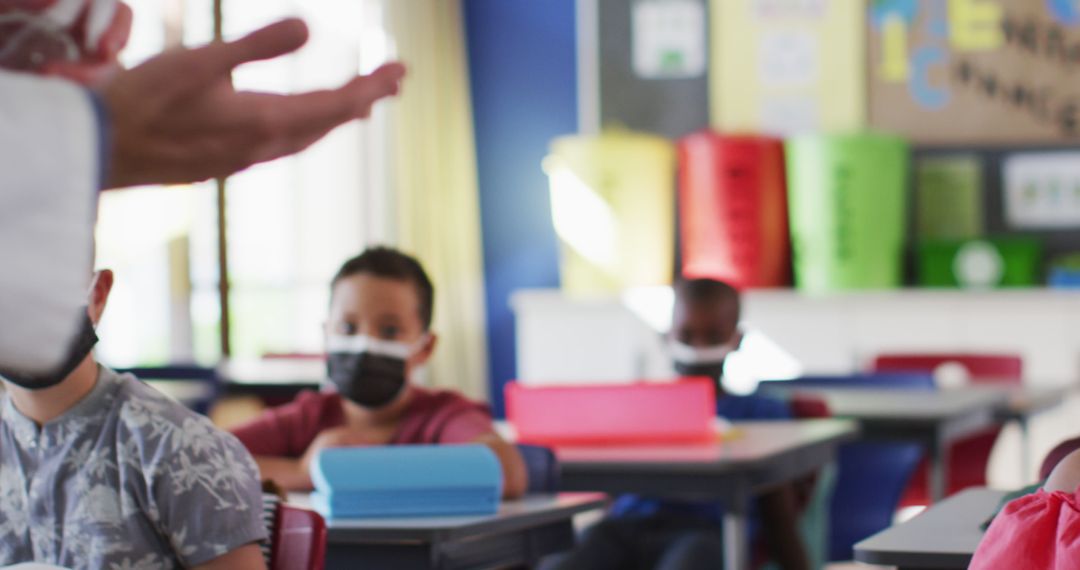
<point x="126" y="479"/>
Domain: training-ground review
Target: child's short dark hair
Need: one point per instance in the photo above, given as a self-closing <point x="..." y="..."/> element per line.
<point x="705" y="291"/>
<point x="387" y="262"/>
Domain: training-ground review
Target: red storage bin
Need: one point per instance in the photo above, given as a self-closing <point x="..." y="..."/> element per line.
<point x="733" y="209"/>
<point x="643" y="412"/>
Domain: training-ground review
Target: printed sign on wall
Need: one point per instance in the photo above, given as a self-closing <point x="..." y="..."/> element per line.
<point x="669" y="39"/>
<point x="975" y="71"/>
<point x="787" y="66"/>
<point x="1042" y="190"/>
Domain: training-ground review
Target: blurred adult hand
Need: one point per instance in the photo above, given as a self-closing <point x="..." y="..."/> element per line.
<point x="177" y="118"/>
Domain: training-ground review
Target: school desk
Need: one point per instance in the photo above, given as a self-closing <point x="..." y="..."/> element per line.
<point x="521" y="533"/>
<point x="935" y="419"/>
<point x="1024" y="403"/>
<point x="943" y="537"/>
<point x="748" y="458"/>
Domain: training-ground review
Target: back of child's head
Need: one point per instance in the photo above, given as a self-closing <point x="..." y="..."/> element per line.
<point x="389" y="263"/>
<point x="706" y="291"/>
<point x="706" y="311"/>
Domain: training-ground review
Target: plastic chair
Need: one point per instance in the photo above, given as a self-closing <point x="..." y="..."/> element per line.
<point x="1056" y="455"/>
<point x="981" y="368"/>
<point x="815" y="503"/>
<point x="968" y="457"/>
<point x="542" y="467"/>
<point x="298" y="539"/>
<point x="808" y="406"/>
<point x="183" y="373"/>
<point x="870" y="481"/>
<point x="888" y="380"/>
<point x="812" y="499"/>
<point x="870" y="476"/>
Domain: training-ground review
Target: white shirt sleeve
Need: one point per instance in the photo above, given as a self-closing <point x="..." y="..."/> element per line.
<point x="49" y="176"/>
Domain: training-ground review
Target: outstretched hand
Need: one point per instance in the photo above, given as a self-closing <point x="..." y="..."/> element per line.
<point x="177" y="118"/>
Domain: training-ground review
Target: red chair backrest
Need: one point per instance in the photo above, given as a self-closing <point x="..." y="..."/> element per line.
<point x="809" y="406"/>
<point x="1056" y="455"/>
<point x="969" y="456"/>
<point x="1007" y="368"/>
<point x="298" y="539"/>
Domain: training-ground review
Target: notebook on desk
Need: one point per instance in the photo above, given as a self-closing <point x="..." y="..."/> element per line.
<point x="406" y="481"/>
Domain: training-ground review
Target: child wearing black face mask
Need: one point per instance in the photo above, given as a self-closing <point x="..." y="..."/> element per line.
<point x="648" y="533"/>
<point x="377" y="338"/>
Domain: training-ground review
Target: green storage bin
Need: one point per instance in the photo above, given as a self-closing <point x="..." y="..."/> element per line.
<point x="980" y="264"/>
<point x="848" y="208"/>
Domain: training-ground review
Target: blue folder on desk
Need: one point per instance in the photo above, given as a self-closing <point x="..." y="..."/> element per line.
<point x="406" y="480"/>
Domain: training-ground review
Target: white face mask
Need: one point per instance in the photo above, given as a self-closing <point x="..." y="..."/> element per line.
<point x="683" y="353"/>
<point x="358" y="343"/>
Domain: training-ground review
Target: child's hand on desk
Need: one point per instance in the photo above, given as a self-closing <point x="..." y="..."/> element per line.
<point x="334" y="437"/>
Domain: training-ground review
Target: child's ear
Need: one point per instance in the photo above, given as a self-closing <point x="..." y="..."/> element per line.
<point x="99" y="294"/>
<point x="429" y="347"/>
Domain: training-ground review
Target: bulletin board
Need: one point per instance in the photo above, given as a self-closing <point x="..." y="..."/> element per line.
<point x="654" y="65"/>
<point x="986" y="91"/>
<point x="975" y="72"/>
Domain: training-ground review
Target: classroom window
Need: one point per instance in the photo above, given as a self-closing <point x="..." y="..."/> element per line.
<point x="290" y="223"/>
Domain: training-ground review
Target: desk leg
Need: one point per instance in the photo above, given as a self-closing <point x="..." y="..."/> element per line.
<point x="939" y="469"/>
<point x="1025" y="447"/>
<point x="736" y="535"/>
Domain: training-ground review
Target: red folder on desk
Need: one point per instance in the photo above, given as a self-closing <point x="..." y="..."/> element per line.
<point x="642" y="412"/>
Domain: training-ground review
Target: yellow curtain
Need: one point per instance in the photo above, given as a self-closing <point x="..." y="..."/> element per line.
<point x="434" y="180"/>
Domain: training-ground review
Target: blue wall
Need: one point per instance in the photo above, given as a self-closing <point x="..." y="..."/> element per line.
<point x="523" y="73"/>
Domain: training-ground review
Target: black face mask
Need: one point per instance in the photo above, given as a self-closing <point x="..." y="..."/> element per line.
<point x="80" y="346"/>
<point x="371" y="380"/>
